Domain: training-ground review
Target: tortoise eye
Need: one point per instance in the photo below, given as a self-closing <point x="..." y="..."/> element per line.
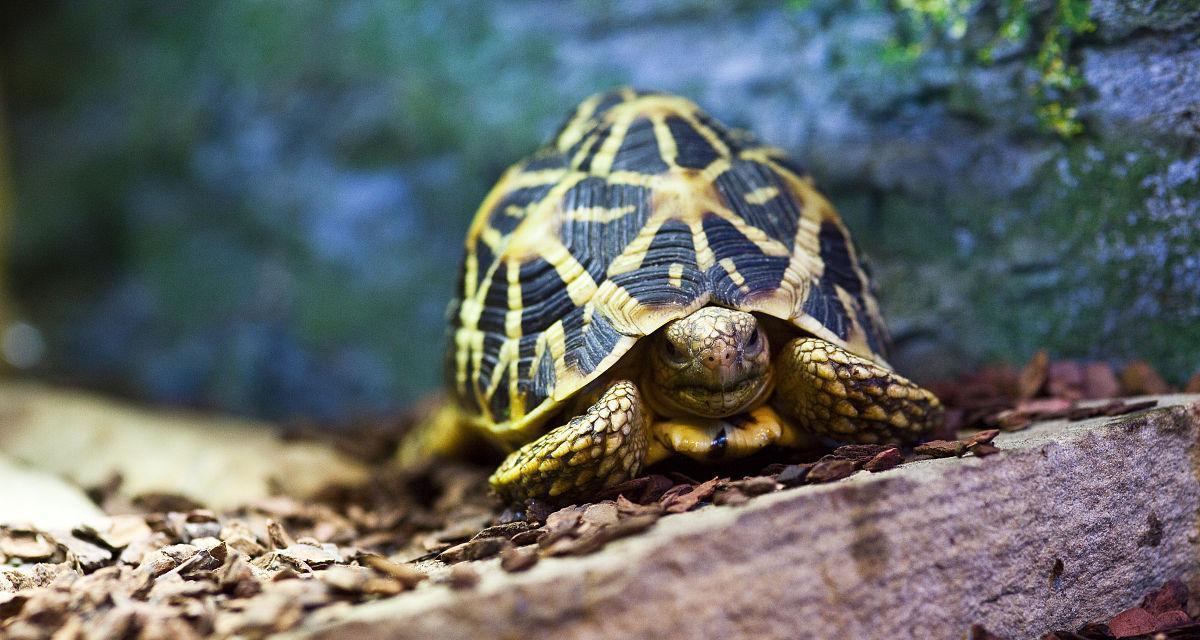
<point x="674" y="355"/>
<point x="753" y="339"/>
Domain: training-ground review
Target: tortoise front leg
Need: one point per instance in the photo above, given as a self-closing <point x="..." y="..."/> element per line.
<point x="603" y="447"/>
<point x="839" y="396"/>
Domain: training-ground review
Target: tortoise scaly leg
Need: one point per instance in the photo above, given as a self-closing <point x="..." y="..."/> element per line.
<point x="442" y="433"/>
<point x="839" y="396"/>
<point x="603" y="447"/>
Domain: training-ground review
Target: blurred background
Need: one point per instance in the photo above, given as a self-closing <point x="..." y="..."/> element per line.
<point x="258" y="207"/>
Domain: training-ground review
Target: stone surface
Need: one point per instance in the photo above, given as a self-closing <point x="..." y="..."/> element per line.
<point x="1070" y="523"/>
<point x="220" y="462"/>
<point x="28" y="496"/>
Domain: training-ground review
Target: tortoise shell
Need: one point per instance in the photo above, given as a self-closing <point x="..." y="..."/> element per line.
<point x="641" y="210"/>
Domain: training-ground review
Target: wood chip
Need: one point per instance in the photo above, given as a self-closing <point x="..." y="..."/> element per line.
<point x="1033" y="375"/>
<point x="506" y="530"/>
<point x="859" y="454"/>
<point x="475" y="549"/>
<point x="983" y="437"/>
<point x="601" y="513"/>
<point x="884" y="460"/>
<point x="1100" y="381"/>
<point x="306" y="556"/>
<point x="560" y="524"/>
<point x="1065" y="379"/>
<point x="983" y="450"/>
<point x="594" y="539"/>
<point x="941" y="448"/>
<point x="532" y="536"/>
<point x="1140" y="379"/>
<point x="729" y="497"/>
<point x="83" y="555"/>
<point x="1011" y="420"/>
<point x="515" y="559"/>
<point x="830" y="470"/>
<point x="26" y="544"/>
<point x="167" y="558"/>
<point x="406" y="575"/>
<point x="642" y="490"/>
<point x="684" y="497"/>
<point x="278" y="536"/>
<point x="116" y="532"/>
<point x="754" y="486"/>
<point x="793" y="475"/>
<point x="1044" y="408"/>
<point x="626" y="508"/>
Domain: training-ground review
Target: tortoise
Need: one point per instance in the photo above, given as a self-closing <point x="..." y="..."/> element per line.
<point x="652" y="283"/>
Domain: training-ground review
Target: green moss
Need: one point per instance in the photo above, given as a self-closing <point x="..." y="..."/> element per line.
<point x="986" y="30"/>
<point x="1097" y="258"/>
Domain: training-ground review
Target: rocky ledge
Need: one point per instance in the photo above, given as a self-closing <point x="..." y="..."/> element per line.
<point x="1070" y="522"/>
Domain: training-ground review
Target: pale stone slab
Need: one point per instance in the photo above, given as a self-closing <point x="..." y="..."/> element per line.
<point x="40" y="499"/>
<point x="221" y="462"/>
<point x="1071" y="523"/>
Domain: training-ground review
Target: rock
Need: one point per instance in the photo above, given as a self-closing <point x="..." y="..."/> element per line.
<point x="1028" y="554"/>
<point x="1119" y="18"/>
<point x="34" y="497"/>
<point x="463" y="576"/>
<point x="216" y="461"/>
<point x="1152" y="83"/>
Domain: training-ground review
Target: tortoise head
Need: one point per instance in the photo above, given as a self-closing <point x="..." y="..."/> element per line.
<point x="712" y="363"/>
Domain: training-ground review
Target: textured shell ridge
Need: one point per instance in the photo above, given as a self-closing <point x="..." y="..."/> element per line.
<point x="640" y="210"/>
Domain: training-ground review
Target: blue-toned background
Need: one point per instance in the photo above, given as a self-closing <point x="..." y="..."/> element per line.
<point x="258" y="206"/>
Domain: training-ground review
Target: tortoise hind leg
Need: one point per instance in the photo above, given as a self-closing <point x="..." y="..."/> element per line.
<point x="604" y="446"/>
<point x="839" y="396"/>
<point x="442" y="433"/>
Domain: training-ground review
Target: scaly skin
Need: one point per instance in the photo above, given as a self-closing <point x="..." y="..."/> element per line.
<point x="712" y="364"/>
<point x="839" y="396"/>
<point x="604" y="446"/>
<point x="703" y="395"/>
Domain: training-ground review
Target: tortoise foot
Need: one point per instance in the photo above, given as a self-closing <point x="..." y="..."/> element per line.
<point x="839" y="396"/>
<point x="603" y="447"/>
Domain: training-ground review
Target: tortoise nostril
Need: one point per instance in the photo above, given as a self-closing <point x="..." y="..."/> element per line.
<point x="721" y="358"/>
